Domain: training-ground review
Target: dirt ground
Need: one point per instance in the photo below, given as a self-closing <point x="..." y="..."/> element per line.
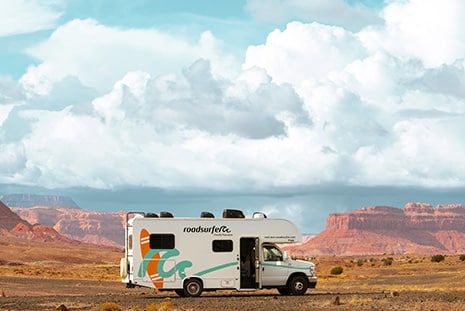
<point x="78" y="279"/>
<point x="25" y="293"/>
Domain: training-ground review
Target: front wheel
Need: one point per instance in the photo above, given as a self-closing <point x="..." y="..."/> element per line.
<point x="193" y="288"/>
<point x="298" y="285"/>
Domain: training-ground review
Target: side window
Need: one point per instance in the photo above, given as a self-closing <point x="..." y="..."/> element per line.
<point x="130" y="241"/>
<point x="162" y="241"/>
<point x="272" y="253"/>
<point x="222" y="246"/>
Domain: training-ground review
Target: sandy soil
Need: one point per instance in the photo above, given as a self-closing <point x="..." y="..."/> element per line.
<point x="83" y="278"/>
<point x="23" y="293"/>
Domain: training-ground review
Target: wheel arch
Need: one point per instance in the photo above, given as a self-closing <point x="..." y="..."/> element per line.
<point x="294" y="274"/>
<point x="194" y="277"/>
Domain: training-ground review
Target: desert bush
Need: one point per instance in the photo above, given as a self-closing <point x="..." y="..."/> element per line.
<point x="360" y="262"/>
<point x="337" y="270"/>
<point x="108" y="306"/>
<point x="437" y="258"/>
<point x="462" y="257"/>
<point x="387" y="261"/>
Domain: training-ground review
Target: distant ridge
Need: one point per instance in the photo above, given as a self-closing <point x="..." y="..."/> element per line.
<point x="11" y="225"/>
<point x="31" y="200"/>
<point x="417" y="228"/>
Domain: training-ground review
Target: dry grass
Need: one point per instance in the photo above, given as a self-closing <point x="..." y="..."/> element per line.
<point x="48" y="260"/>
<point x="381" y="276"/>
<point x="405" y="273"/>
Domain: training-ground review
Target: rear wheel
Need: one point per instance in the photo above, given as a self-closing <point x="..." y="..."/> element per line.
<point x="298" y="285"/>
<point x="193" y="288"/>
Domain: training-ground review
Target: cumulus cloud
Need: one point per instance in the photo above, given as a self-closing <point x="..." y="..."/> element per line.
<point x="25" y="16"/>
<point x="314" y="104"/>
<point x="430" y="30"/>
<point x="99" y="55"/>
<point x="305" y="51"/>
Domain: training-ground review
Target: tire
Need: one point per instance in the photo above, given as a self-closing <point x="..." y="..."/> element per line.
<point x="193" y="288"/>
<point x="180" y="292"/>
<point x="298" y="285"/>
<point x="284" y="291"/>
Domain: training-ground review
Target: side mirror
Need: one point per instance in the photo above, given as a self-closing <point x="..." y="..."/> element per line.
<point x="285" y="256"/>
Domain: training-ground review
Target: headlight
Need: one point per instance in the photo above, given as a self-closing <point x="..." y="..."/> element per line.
<point x="312" y="269"/>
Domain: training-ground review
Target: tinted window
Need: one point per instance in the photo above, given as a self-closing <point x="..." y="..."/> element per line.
<point x="162" y="241"/>
<point x="222" y="246"/>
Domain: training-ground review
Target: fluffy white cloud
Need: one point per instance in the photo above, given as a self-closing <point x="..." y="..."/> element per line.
<point x="313" y="104"/>
<point x="305" y="51"/>
<point x="24" y="16"/>
<point x="430" y="30"/>
<point x="99" y="55"/>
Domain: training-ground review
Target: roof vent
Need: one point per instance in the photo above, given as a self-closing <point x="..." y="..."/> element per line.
<point x="207" y="215"/>
<point x="233" y="213"/>
<point x="151" y="215"/>
<point x="166" y="215"/>
<point x="259" y="215"/>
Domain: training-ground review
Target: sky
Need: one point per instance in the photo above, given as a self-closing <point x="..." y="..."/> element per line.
<point x="295" y="108"/>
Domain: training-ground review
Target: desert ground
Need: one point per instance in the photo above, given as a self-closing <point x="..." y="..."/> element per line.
<point x="86" y="278"/>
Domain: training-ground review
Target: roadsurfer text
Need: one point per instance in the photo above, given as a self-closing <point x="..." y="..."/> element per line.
<point x="212" y="229"/>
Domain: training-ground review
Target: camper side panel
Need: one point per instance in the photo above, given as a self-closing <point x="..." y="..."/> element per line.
<point x="168" y="251"/>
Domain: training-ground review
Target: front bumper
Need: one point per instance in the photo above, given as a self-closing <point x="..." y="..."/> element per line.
<point x="312" y="280"/>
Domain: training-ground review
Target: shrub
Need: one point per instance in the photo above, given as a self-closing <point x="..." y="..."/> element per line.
<point x="387" y="261"/>
<point x="337" y="270"/>
<point x="462" y="257"/>
<point x="437" y="258"/>
<point x="359" y="262"/>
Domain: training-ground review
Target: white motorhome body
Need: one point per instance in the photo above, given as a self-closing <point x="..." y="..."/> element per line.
<point x="190" y="255"/>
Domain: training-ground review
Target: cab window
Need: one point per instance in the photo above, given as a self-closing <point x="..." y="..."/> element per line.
<point x="272" y="253"/>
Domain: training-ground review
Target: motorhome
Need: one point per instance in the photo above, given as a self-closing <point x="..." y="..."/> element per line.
<point x="190" y="255"/>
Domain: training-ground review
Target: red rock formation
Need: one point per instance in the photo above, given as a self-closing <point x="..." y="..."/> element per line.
<point x="39" y="233"/>
<point x="416" y="228"/>
<point x="12" y="225"/>
<point x="103" y="228"/>
<point x="8" y="219"/>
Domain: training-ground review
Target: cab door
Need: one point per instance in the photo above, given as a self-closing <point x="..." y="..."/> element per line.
<point x="274" y="269"/>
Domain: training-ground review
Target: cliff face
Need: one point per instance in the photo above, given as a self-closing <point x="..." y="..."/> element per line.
<point x="8" y="219"/>
<point x="416" y="228"/>
<point x="104" y="228"/>
<point x="12" y="225"/>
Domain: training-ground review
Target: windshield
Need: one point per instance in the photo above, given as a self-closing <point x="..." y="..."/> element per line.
<point x="272" y="253"/>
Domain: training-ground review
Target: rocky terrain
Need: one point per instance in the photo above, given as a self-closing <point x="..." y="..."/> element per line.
<point x="103" y="228"/>
<point x="11" y="225"/>
<point x="64" y="216"/>
<point x="417" y="228"/>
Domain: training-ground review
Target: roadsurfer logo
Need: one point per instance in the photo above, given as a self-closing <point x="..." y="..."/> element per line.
<point x="221" y="230"/>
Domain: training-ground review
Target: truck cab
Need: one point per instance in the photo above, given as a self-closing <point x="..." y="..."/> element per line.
<point x="280" y="271"/>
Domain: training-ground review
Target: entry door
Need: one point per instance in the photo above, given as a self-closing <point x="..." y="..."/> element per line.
<point x="250" y="263"/>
